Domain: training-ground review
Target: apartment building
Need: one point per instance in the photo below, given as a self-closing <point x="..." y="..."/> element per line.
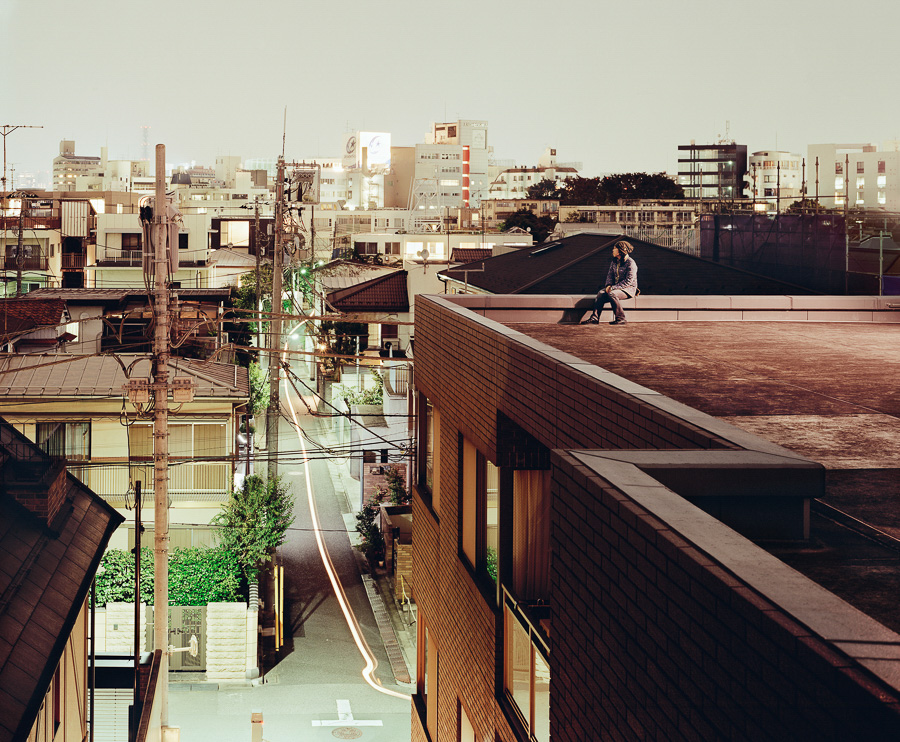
<point x="860" y="175"/>
<point x="67" y="167"/>
<point x="613" y="529"/>
<point x="713" y="171"/>
<point x="774" y="178"/>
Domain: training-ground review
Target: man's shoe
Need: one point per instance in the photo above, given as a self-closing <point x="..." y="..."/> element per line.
<point x="592" y="320"/>
<point x="619" y="322"/>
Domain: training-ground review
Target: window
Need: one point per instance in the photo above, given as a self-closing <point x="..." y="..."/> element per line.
<point x="860" y="183"/>
<point x="480" y="487"/>
<point x="839" y="168"/>
<point x="526" y="677"/>
<point x="881" y="199"/>
<point x="429" y="461"/>
<point x="367" y="248"/>
<point x="68" y="440"/>
<point x="839" y="184"/>
<point x="882" y="181"/>
<point x="131" y="242"/>
<point x="860" y="167"/>
<point x="466" y="730"/>
<point x="531" y="535"/>
<point x="183" y="241"/>
<point x="427" y="675"/>
<point x="881" y="166"/>
<point x="391" y="248"/>
<point x="234" y="233"/>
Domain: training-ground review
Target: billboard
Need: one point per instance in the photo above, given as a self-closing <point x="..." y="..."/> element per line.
<point x="367" y="149"/>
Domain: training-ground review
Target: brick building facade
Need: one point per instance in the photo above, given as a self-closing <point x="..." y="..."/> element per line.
<point x="624" y="598"/>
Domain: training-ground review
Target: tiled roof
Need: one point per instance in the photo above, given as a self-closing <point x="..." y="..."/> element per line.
<point x="101" y="376"/>
<point x="232" y="258"/>
<point x="469" y="254"/>
<point x="578" y="265"/>
<point x="21" y="315"/>
<point x="341" y="274"/>
<point x="44" y="580"/>
<point x="383" y="294"/>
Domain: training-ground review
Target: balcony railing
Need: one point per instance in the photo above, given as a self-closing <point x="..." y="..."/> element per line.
<point x="73" y="260"/>
<point x="38" y="263"/>
<point x="121" y="258"/>
<point x="196" y="482"/>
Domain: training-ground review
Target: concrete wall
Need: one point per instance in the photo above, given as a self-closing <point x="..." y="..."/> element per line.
<point x="227" y="644"/>
<point x="115" y="628"/>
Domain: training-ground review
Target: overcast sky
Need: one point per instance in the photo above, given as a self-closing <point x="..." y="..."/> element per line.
<point x="617" y="86"/>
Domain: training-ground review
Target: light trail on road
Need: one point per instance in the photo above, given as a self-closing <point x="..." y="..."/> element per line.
<point x="368" y="673"/>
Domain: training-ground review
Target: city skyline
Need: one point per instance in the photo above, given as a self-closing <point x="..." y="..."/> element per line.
<point x="617" y="89"/>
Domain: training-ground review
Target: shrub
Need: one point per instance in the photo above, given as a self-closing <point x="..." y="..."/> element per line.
<point x="197" y="576"/>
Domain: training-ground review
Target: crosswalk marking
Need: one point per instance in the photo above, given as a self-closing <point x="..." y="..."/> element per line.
<point x="345" y="717"/>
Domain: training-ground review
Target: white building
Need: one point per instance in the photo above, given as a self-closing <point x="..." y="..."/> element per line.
<point x="869" y="177"/>
<point x="775" y="178"/>
<point x="451" y="169"/>
<point x="68" y="166"/>
<point x="514" y="182"/>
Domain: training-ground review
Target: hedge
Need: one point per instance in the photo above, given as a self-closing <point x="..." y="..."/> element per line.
<point x="197" y="576"/>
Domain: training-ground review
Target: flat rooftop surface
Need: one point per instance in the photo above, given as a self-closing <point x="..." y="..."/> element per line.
<point x="828" y="391"/>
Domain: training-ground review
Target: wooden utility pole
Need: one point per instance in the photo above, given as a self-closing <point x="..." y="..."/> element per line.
<point x="274" y="411"/>
<point x="20" y="247"/>
<point x="257" y="293"/>
<point x="161" y="434"/>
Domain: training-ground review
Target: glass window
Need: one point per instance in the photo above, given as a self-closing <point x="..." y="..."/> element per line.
<point x="881" y="166"/>
<point x="526" y="678"/>
<point x="839" y="168"/>
<point x="479" y="512"/>
<point x="882" y="181"/>
<point x="531" y="535"/>
<point x="881" y="199"/>
<point x="860" y="167"/>
<point x="860" y="183"/>
<point x="68" y="440"/>
<point x="839" y="184"/>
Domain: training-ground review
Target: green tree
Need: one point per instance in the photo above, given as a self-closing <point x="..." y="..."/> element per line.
<point x="254" y="521"/>
<point x="545" y="188"/>
<point x="396" y="486"/>
<point x="259" y="389"/>
<point x="608" y="190"/>
<point x="582" y="192"/>
<point x="539" y="226"/>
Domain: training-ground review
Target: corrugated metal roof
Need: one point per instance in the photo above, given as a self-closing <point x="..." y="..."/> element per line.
<point x="341" y="274"/>
<point x="102" y="376"/>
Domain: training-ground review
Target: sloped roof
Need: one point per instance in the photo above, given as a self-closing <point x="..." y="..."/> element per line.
<point x="383" y="294"/>
<point x="101" y="376"/>
<point x="95" y="296"/>
<point x="341" y="274"/>
<point x="234" y="259"/>
<point x="44" y="581"/>
<point x="21" y="315"/>
<point x="469" y="254"/>
<point x="578" y="265"/>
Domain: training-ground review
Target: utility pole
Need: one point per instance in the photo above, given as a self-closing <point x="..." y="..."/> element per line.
<point x="258" y="292"/>
<point x="20" y="248"/>
<point x="161" y="434"/>
<point x="274" y="410"/>
<point x="5" y="131"/>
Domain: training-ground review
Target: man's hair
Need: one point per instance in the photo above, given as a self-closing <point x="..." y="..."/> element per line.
<point x="624" y="246"/>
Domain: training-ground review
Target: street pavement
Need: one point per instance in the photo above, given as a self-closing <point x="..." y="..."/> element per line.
<point x="317" y="691"/>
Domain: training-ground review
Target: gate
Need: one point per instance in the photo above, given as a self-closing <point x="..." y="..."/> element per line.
<point x="183" y="622"/>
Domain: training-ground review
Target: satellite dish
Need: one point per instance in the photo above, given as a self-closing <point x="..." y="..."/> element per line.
<point x="423" y="253"/>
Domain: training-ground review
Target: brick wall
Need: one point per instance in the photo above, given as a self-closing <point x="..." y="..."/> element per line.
<point x="403" y="572"/>
<point x="684" y="649"/>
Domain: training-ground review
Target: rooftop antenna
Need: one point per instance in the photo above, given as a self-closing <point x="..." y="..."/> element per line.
<point x="6" y="130"/>
<point x="284" y="132"/>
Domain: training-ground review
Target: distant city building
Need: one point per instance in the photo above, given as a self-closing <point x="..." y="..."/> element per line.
<point x="451" y="168"/>
<point x="712" y="170"/>
<point x="868" y="177"/>
<point x="774" y="178"/>
<point x="67" y="166"/>
<point x="514" y="182"/>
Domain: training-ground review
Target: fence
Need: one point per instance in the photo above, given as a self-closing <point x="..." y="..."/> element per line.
<point x="204" y="482"/>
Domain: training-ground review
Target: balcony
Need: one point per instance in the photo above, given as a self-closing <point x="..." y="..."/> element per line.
<point x="73" y="260"/>
<point x="120" y="258"/>
<point x="28" y="263"/>
<point x="205" y="483"/>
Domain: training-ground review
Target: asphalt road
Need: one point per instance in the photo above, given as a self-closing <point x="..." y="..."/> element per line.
<point x="316" y="691"/>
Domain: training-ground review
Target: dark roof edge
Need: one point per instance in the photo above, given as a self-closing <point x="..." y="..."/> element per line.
<point x="34" y="705"/>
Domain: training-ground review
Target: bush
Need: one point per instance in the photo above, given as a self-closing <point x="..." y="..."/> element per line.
<point x="196" y="577"/>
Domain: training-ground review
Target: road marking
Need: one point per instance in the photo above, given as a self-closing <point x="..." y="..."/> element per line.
<point x="345" y="717"/>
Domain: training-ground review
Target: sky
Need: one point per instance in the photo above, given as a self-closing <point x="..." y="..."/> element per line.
<point x="615" y="86"/>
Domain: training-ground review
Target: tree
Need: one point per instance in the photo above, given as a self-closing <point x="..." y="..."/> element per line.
<point x="539" y="226"/>
<point x="254" y="521"/>
<point x="806" y="206"/>
<point x="608" y="190"/>
<point x="259" y="389"/>
<point x="545" y="188"/>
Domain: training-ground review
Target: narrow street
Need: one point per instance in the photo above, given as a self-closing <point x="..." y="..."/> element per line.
<point x="317" y="690"/>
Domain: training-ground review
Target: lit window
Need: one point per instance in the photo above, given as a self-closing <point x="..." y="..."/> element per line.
<point x="881" y="198"/>
<point x="526" y="677"/>
<point x="860" y="183"/>
<point x="882" y="181"/>
<point x="839" y="184"/>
